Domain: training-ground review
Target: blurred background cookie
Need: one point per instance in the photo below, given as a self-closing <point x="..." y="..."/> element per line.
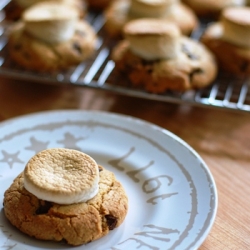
<point x="15" y="8"/>
<point x="211" y="8"/>
<point x="229" y="40"/>
<point x="119" y="12"/>
<point x="156" y="57"/>
<point x="50" y="37"/>
<point x="98" y="5"/>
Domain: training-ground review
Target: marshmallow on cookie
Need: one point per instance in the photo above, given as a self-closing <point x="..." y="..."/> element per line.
<point x="62" y="176"/>
<point x="236" y="26"/>
<point x="15" y="8"/>
<point x="28" y="3"/>
<point x="50" y="22"/>
<point x="120" y="12"/>
<point x="150" y="8"/>
<point x="154" y="41"/>
<point x="229" y="39"/>
<point x="212" y="9"/>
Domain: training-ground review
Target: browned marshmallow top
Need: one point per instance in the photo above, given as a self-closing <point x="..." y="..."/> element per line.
<point x="153" y="38"/>
<point x="235" y="22"/>
<point x="63" y="176"/>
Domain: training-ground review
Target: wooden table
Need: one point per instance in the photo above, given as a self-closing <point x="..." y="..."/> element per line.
<point x="222" y="138"/>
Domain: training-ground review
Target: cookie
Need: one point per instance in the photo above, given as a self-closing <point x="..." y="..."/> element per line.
<point x="229" y="40"/>
<point x="50" y="43"/>
<point x="15" y="8"/>
<point x="77" y="223"/>
<point x="212" y="9"/>
<point x="165" y="59"/>
<point x="98" y="5"/>
<point x="119" y="12"/>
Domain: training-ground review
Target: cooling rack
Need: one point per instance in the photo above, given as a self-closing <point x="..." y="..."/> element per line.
<point x="225" y="92"/>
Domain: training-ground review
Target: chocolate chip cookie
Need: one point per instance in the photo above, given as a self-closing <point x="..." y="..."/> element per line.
<point x="34" y="54"/>
<point x="156" y="58"/>
<point x="77" y="223"/>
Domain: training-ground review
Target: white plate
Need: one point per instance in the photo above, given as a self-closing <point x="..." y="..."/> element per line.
<point x="172" y="194"/>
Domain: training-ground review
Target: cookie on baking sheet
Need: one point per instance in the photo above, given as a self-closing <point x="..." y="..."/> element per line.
<point x="50" y="37"/>
<point x="156" y="57"/>
<point x="15" y="8"/>
<point x="119" y="12"/>
<point x="211" y="8"/>
<point x="76" y="223"/>
<point x="229" y="40"/>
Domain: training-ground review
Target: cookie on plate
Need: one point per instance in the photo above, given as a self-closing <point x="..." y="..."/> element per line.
<point x="50" y="37"/>
<point x="120" y="12"/>
<point x="70" y="198"/>
<point x="212" y="9"/>
<point x="229" y="40"/>
<point x="154" y="56"/>
<point x="15" y="8"/>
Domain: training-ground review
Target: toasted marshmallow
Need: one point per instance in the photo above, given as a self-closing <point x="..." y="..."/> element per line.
<point x="236" y="2"/>
<point x="153" y="39"/>
<point x="150" y="8"/>
<point x="62" y="176"/>
<point x="27" y="3"/>
<point x="50" y="21"/>
<point x="236" y="25"/>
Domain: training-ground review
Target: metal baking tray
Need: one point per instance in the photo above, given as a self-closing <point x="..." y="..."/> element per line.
<point x="225" y="92"/>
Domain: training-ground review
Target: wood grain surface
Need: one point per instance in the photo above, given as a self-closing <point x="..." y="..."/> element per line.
<point x="221" y="137"/>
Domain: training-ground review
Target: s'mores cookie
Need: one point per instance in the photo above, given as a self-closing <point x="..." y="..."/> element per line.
<point x="229" y="40"/>
<point x="64" y="195"/>
<point x="98" y="5"/>
<point x="50" y="37"/>
<point x="156" y="57"/>
<point x="15" y="8"/>
<point x="212" y="9"/>
<point x="120" y="12"/>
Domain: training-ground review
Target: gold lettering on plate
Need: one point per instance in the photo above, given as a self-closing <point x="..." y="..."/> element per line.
<point x="132" y="174"/>
<point x="115" y="162"/>
<point x="150" y="185"/>
<point x="163" y="197"/>
<point x="156" y="233"/>
<point x="157" y="181"/>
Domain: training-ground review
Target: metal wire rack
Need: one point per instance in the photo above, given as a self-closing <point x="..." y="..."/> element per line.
<point x="225" y="92"/>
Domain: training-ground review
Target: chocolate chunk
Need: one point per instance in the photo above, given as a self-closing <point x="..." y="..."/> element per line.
<point x="18" y="46"/>
<point x="77" y="47"/>
<point x="196" y="71"/>
<point x="244" y="66"/>
<point x="44" y="207"/>
<point x="111" y="221"/>
<point x="26" y="55"/>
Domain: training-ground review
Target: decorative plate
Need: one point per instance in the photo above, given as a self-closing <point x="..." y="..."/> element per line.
<point x="172" y="194"/>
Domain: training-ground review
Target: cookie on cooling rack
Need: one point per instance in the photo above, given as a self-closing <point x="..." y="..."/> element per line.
<point x="98" y="5"/>
<point x="229" y="40"/>
<point x="120" y="12"/>
<point x="64" y="195"/>
<point x="48" y="43"/>
<point x="211" y="9"/>
<point x="15" y="8"/>
<point x="155" y="57"/>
